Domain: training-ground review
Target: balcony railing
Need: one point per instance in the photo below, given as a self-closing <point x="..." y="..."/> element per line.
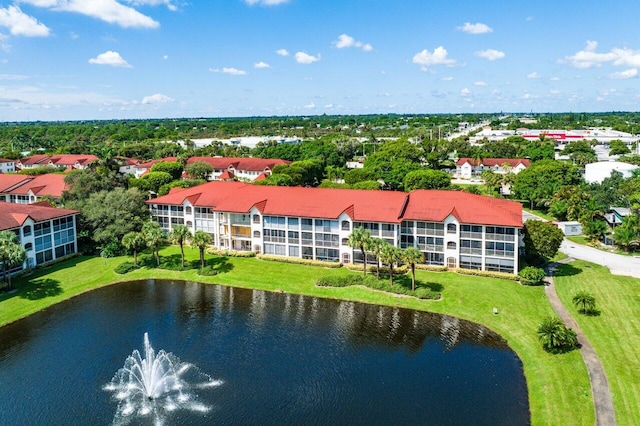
<point x="500" y="237"/>
<point x="502" y="253"/>
<point x="471" y="235"/>
<point x="468" y="250"/>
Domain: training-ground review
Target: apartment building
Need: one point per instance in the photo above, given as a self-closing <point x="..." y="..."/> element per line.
<point x="466" y="168"/>
<point x="25" y="189"/>
<point x="451" y="228"/>
<point x="46" y="233"/>
<point x="68" y="161"/>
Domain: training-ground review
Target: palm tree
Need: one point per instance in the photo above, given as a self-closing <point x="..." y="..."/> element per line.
<point x="201" y="240"/>
<point x="359" y="239"/>
<point x="154" y="237"/>
<point x="135" y="242"/>
<point x="178" y="235"/>
<point x="584" y="301"/>
<point x="555" y="336"/>
<point x="11" y="253"/>
<point x="390" y="255"/>
<point x="411" y="256"/>
<point x="375" y="246"/>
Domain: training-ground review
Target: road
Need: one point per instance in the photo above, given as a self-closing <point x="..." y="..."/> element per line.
<point x="617" y="264"/>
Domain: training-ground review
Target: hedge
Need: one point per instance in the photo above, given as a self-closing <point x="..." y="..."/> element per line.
<point x="383" y="269"/>
<point x="299" y="261"/>
<point x="382" y="285"/>
<point x="125" y="267"/>
<point x="230" y="253"/>
<point x="490" y="274"/>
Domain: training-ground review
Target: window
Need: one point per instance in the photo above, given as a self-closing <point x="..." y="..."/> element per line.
<point x="293" y="223"/>
<point x="26" y="231"/>
<point x="256" y="234"/>
<point x="470" y="262"/>
<point x="451" y="228"/>
<point x="346" y="226"/>
<point x="294" y="251"/>
<point x="28" y="247"/>
<point x="256" y="218"/>
<point x="187" y="210"/>
<point x="451" y="245"/>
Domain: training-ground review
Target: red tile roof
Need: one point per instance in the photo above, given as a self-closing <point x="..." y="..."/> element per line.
<point x="4" y="160"/>
<point x="239" y="163"/>
<point x="48" y="184"/>
<point x="13" y="215"/>
<point x="490" y="162"/>
<point x="360" y="205"/>
<point x="34" y="159"/>
<point x="59" y="159"/>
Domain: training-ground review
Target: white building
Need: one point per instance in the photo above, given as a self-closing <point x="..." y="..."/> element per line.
<point x="451" y="228"/>
<point x="466" y="168"/>
<point x="46" y="233"/>
<point x="7" y="166"/>
<point x="597" y="172"/>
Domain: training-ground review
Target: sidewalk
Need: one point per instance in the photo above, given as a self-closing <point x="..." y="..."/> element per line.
<point x="617" y="264"/>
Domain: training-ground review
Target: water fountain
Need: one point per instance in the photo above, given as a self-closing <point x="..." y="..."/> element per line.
<point x="156" y="385"/>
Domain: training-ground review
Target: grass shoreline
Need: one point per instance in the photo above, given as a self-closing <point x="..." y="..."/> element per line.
<point x="558" y="385"/>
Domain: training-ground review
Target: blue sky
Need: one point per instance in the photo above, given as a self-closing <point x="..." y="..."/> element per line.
<point x="106" y="59"/>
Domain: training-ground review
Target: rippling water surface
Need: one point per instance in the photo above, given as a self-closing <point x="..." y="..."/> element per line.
<point x="283" y="360"/>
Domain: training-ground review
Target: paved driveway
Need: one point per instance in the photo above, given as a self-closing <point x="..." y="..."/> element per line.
<point x="617" y="264"/>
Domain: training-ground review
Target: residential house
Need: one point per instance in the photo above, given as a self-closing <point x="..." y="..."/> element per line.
<point x="241" y="168"/>
<point x="68" y="161"/>
<point x="7" y="166"/>
<point x="466" y="168"/>
<point x="25" y="189"/>
<point x="451" y="228"/>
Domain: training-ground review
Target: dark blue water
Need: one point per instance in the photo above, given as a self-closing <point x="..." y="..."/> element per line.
<point x="284" y="360"/>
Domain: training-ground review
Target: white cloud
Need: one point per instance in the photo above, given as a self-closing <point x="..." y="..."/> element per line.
<point x="165" y="57"/>
<point x="230" y="71"/>
<point x="156" y="99"/>
<point x="588" y="57"/>
<point x="282" y="52"/>
<point x="21" y="24"/>
<point x="427" y="59"/>
<point x="627" y="57"/>
<point x="265" y="2"/>
<point x="490" y="54"/>
<point x="310" y="106"/>
<point x="477" y="28"/>
<point x="529" y="18"/>
<point x="465" y="92"/>
<point x="106" y="10"/>
<point x="480" y="83"/>
<point x="345" y="40"/>
<point x="261" y="65"/>
<point x="533" y="75"/>
<point x="170" y="4"/>
<point x="447" y="78"/>
<point x="13" y="77"/>
<point x="303" y="58"/>
<point x="554" y="92"/>
<point x="630" y="73"/>
<point x="110" y="58"/>
<point x="555" y="79"/>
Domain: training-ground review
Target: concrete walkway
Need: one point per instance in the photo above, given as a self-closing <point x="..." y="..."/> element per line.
<point x="605" y="414"/>
<point x="617" y="263"/>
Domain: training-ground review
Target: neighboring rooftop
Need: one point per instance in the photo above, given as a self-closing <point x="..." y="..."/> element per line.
<point x="14" y="215"/>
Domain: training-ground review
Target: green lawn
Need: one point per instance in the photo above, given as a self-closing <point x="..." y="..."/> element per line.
<point x="614" y="334"/>
<point x="558" y="384"/>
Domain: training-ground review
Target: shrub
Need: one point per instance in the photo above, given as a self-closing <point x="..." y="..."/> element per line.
<point x="398" y="270"/>
<point x="532" y="275"/>
<point x="585" y="302"/>
<point x="208" y="271"/>
<point x="489" y="274"/>
<point x="382" y="285"/>
<point x="427" y="293"/>
<point x="333" y="281"/>
<point x="298" y="261"/>
<point x="432" y="268"/>
<point x="230" y="253"/>
<point x="126" y="267"/>
<point x="555" y="336"/>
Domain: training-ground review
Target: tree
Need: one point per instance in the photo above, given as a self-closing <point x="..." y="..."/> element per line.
<point x="541" y="239"/>
<point x="411" y="256"/>
<point x="584" y="301"/>
<point x="108" y="215"/>
<point x="359" y="239"/>
<point x="154" y="237"/>
<point x="390" y="254"/>
<point x="626" y="234"/>
<point x="393" y="161"/>
<point x="174" y="168"/>
<point x="594" y="230"/>
<point x="426" y="179"/>
<point x="178" y="235"/>
<point x="135" y="242"/>
<point x="618" y="147"/>
<point x="555" y="336"/>
<point x="11" y="253"/>
<point x="491" y="180"/>
<point x="539" y="182"/>
<point x="375" y="246"/>
<point x="151" y="182"/>
<point x="201" y="240"/>
<point x="199" y="170"/>
<point x="358" y="175"/>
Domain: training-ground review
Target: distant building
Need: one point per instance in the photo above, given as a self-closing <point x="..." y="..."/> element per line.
<point x="601" y="135"/>
<point x="7" y="166"/>
<point x="467" y="167"/>
<point x="597" y="172"/>
<point x="46" y="233"/>
<point x="616" y="216"/>
<point x="570" y="228"/>
<point x="242" y="168"/>
<point x="68" y="161"/>
<point x="25" y="189"/>
<point x="452" y="228"/>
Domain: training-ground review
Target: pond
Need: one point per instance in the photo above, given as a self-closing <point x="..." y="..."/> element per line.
<point x="279" y="358"/>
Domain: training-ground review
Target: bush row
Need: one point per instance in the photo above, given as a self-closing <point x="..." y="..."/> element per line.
<point x="208" y="271"/>
<point x="383" y="285"/>
<point x="432" y="268"/>
<point x="230" y="253"/>
<point x="372" y="268"/>
<point x="490" y="274"/>
<point x="299" y="261"/>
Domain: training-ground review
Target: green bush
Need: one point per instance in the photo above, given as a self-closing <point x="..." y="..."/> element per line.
<point x="432" y="268"/>
<point x="532" y="275"/>
<point x="490" y="274"/>
<point x="208" y="271"/>
<point x="398" y="270"/>
<point x="382" y="285"/>
<point x="427" y="293"/>
<point x="230" y="253"/>
<point x="333" y="281"/>
<point x="126" y="267"/>
<point x="555" y="336"/>
<point x="298" y="261"/>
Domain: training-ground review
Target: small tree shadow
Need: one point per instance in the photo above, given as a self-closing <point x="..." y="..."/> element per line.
<point x="220" y="264"/>
<point x="590" y="312"/>
<point x="566" y="270"/>
<point x="41" y="288"/>
<point x="431" y="285"/>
